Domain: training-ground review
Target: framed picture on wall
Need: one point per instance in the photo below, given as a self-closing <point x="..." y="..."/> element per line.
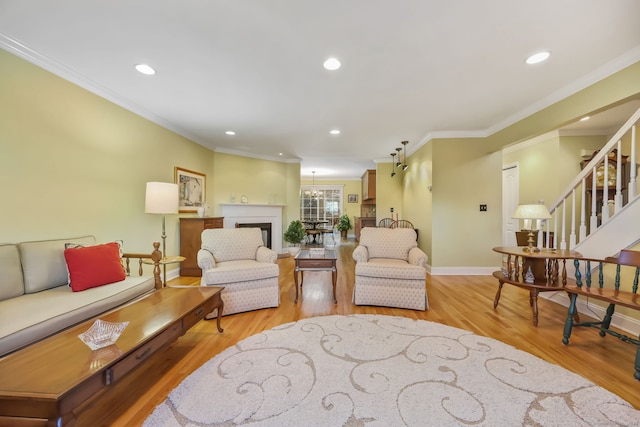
<point x="191" y="188"/>
<point x="352" y="198"/>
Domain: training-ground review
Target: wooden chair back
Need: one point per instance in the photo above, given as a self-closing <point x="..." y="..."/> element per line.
<point x="402" y="223"/>
<point x="385" y="223"/>
<point x="606" y="290"/>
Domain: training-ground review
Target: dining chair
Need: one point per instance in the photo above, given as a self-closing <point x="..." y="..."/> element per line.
<point x="402" y="223"/>
<point x="385" y="223"/>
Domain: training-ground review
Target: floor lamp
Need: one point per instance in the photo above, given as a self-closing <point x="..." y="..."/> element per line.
<point x="530" y="213"/>
<point x="161" y="198"/>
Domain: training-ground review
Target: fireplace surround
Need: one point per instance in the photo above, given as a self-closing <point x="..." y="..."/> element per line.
<point x="241" y="214"/>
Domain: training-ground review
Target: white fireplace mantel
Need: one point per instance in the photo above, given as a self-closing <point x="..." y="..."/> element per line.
<point x="255" y="212"/>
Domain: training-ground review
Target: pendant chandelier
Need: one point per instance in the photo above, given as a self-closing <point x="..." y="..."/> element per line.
<point x="399" y="164"/>
<point x="314" y="190"/>
<point x="405" y="165"/>
<point x="393" y="164"/>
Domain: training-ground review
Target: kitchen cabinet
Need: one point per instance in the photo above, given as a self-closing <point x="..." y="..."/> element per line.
<point x="369" y="185"/>
<point x="362" y="222"/>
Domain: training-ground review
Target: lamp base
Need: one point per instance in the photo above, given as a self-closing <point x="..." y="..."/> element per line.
<point x="530" y="241"/>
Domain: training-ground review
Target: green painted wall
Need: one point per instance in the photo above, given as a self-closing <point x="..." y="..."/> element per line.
<point x="389" y="193"/>
<point x="465" y="176"/>
<point x="72" y="163"/>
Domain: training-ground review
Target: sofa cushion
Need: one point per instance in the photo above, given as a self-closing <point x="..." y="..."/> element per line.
<point x="55" y="309"/>
<point x="93" y="266"/>
<point x="390" y="269"/>
<point x="43" y="263"/>
<point x="229" y="244"/>
<point x="11" y="284"/>
<point x="239" y="271"/>
<point x="388" y="242"/>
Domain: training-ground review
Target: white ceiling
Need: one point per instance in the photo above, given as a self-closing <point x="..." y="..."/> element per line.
<point x="412" y="69"/>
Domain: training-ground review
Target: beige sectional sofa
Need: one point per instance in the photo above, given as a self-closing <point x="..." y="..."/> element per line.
<point x="36" y="300"/>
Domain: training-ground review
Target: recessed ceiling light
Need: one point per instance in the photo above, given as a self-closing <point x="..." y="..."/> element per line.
<point x="230" y="132"/>
<point x="332" y="64"/>
<point x="585" y="118"/>
<point x="280" y="154"/>
<point x="334" y="131"/>
<point x="538" y="57"/>
<point x="145" y="69"/>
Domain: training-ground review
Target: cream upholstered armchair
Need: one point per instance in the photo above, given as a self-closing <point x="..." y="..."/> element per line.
<point x="390" y="269"/>
<point x="237" y="259"/>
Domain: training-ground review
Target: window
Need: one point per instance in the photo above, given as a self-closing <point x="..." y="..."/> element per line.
<point x="325" y="205"/>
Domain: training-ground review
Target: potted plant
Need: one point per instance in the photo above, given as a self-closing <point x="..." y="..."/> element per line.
<point x="294" y="234"/>
<point x="344" y="225"/>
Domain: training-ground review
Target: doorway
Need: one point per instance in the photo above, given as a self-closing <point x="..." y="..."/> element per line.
<point x="510" y="199"/>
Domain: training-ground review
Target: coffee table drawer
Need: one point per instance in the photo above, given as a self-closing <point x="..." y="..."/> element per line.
<point x="196" y="315"/>
<point x="315" y="263"/>
<point x="138" y="357"/>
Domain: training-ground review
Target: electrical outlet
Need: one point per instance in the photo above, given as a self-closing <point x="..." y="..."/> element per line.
<point x="483" y="208"/>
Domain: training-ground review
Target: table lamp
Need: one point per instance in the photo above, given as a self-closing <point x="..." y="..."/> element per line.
<point x="161" y="198"/>
<point x="530" y="213"/>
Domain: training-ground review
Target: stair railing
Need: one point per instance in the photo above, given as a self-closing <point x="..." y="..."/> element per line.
<point x="563" y="212"/>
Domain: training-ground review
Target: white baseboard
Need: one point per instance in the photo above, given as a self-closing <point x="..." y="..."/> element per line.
<point x="172" y="274"/>
<point x="620" y="321"/>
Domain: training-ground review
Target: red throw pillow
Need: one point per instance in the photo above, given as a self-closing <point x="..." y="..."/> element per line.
<point x="94" y="266"/>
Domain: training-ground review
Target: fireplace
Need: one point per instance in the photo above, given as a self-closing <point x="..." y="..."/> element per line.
<point x="256" y="215"/>
<point x="265" y="227"/>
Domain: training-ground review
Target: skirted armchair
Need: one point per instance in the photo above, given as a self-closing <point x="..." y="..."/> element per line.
<point x="390" y="269"/>
<point x="237" y="259"/>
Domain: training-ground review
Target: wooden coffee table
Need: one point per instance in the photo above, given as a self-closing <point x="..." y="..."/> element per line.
<point x="43" y="383"/>
<point x="305" y="261"/>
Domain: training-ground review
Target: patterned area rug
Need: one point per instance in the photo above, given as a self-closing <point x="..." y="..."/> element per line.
<point x="384" y="371"/>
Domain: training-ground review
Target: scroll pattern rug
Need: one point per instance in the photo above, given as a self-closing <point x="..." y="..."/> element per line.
<point x="384" y="371"/>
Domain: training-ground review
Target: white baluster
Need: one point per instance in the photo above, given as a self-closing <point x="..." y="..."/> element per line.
<point x="594" y="211"/>
<point x="618" y="197"/>
<point x="555" y="228"/>
<point x="572" y="236"/>
<point x="583" y="225"/>
<point x="563" y="243"/>
<point x="633" y="190"/>
<point x="604" y="213"/>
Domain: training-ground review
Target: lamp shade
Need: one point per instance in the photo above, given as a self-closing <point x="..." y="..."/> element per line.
<point x="161" y="198"/>
<point x="536" y="211"/>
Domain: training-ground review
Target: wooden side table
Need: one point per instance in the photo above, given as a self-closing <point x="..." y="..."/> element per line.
<point x="305" y="261"/>
<point x="543" y="271"/>
<point x="164" y="262"/>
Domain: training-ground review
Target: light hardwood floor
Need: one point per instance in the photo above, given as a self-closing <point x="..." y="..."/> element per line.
<point x="461" y="301"/>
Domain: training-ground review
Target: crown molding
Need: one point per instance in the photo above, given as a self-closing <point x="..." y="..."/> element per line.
<point x="588" y="132"/>
<point x="257" y="156"/>
<point x="15" y="47"/>
<point x="626" y="59"/>
<point x="531" y="142"/>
